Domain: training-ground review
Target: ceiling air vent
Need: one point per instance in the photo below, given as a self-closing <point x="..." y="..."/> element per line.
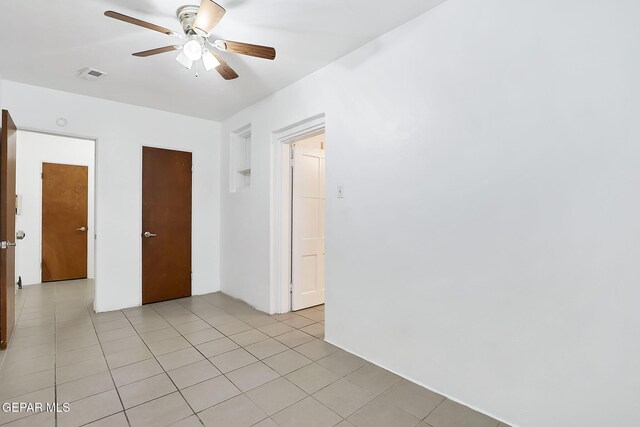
<point x="91" y="74"/>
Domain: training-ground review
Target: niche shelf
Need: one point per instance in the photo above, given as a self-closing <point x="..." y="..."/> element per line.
<point x="240" y="159"/>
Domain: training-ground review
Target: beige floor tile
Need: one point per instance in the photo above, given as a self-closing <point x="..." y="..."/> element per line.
<point x="15" y="368"/>
<point x="109" y="316"/>
<point x="380" y="413"/>
<point x="80" y="370"/>
<point x="344" y="397"/>
<point x="276" y="329"/>
<point x="252" y="376"/>
<point x="208" y="393"/>
<point x="308" y="412"/>
<point x="115" y="334"/>
<point x="287" y="361"/>
<point x="136" y="372"/>
<point x="194" y="373"/>
<point x="317" y="330"/>
<point x="180" y="358"/>
<point x="151" y="325"/>
<point x="216" y="347"/>
<point x="276" y="395"/>
<point x="78" y="355"/>
<point x="203" y="336"/>
<point x="313" y="377"/>
<point x="145" y="390"/>
<point x="192" y="421"/>
<point x="84" y="387"/>
<point x="267" y="422"/>
<point x="16" y="386"/>
<point x="233" y="328"/>
<point x="315" y="315"/>
<point x="452" y="414"/>
<point x="40" y="396"/>
<point x="90" y="409"/>
<point x="114" y="324"/>
<point x="283" y="316"/>
<point x="116" y="346"/>
<point x="159" y="335"/>
<point x="373" y="378"/>
<point x="77" y="342"/>
<point x="248" y="337"/>
<point x="299" y="322"/>
<point x="266" y="348"/>
<point x="342" y="363"/>
<point x="236" y="412"/>
<point x="233" y="359"/>
<point x="182" y="319"/>
<point x="414" y="399"/>
<point x="258" y="320"/>
<point x="316" y="349"/>
<point x="128" y="357"/>
<point x="191" y="327"/>
<point x="160" y="412"/>
<point x="43" y="419"/>
<point x="168" y="346"/>
<point x="294" y="338"/>
<point x="115" y="420"/>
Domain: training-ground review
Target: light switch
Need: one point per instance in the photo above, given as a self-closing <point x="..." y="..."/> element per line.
<point x="340" y="191"/>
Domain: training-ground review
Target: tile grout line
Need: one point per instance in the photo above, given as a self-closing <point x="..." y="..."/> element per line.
<point x="258" y="360"/>
<point x="110" y="373"/>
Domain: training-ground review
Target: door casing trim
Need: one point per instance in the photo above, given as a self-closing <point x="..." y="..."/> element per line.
<point x="280" y="232"/>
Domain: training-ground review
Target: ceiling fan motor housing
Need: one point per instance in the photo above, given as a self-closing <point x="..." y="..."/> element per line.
<point x="187" y="16"/>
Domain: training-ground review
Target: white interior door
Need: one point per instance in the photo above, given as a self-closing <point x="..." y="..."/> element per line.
<point x="307" y="260"/>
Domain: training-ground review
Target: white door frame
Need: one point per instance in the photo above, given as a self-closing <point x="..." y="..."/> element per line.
<point x="281" y="141"/>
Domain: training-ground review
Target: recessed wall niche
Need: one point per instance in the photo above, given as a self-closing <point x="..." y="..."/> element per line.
<point x="240" y="159"/>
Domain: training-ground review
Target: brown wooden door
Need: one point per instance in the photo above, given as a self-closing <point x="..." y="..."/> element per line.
<point x="64" y="221"/>
<point x="166" y="224"/>
<point x="7" y="228"/>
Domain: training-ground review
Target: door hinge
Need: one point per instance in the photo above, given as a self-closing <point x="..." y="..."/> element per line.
<point x="292" y="162"/>
<point x="191" y="167"/>
<point x="291" y="288"/>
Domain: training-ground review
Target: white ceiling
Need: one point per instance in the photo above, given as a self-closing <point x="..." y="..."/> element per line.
<point x="46" y="43"/>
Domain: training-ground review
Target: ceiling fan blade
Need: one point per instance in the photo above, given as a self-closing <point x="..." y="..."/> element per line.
<point x="138" y="22"/>
<point x="258" y="51"/>
<point x="225" y="71"/>
<point x="156" y="51"/>
<point x="209" y="14"/>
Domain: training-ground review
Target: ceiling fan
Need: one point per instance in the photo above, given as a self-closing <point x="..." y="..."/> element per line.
<point x="197" y="23"/>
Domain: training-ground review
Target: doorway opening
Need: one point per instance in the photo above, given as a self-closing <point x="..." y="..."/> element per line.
<point x="55" y="208"/>
<point x="308" y="197"/>
<point x="298" y="199"/>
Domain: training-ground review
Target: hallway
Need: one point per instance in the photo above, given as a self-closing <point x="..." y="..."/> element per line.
<point x="209" y="360"/>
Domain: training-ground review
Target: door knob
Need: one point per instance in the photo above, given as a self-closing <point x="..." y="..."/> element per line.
<point x="83" y="229"/>
<point x="148" y="234"/>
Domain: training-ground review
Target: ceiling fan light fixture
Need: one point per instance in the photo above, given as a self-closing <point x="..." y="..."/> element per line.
<point x="184" y="60"/>
<point x="209" y="61"/>
<point x="192" y="50"/>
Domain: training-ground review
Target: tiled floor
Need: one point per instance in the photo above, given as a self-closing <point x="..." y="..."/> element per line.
<point x="208" y="360"/>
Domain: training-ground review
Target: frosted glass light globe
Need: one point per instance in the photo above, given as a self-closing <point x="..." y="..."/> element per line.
<point x="192" y="50"/>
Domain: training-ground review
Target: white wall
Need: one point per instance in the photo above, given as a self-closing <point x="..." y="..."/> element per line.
<point x="121" y="130"/>
<point x="33" y="149"/>
<point x="488" y="242"/>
